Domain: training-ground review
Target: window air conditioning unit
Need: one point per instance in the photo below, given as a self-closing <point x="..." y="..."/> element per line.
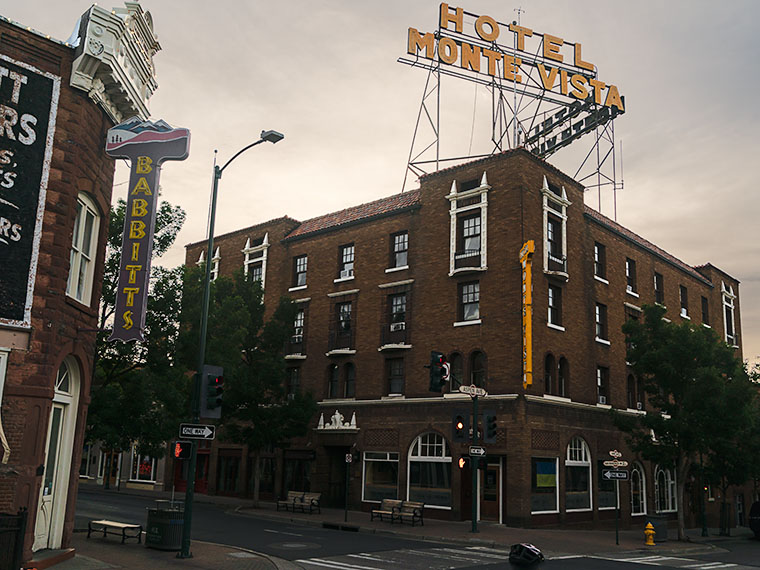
<point x="602" y="399"/>
<point x="346" y="273"/>
<point x="629" y="288"/>
<point x="297" y="338"/>
<point x="398" y="327"/>
<point x="639" y="405"/>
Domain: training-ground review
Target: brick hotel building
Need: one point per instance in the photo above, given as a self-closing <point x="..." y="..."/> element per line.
<point x="380" y="285"/>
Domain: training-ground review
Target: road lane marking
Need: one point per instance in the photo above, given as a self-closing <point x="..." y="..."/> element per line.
<point x="281" y="532"/>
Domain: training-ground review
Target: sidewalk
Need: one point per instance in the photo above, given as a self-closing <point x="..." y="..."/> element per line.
<point x="96" y="553"/>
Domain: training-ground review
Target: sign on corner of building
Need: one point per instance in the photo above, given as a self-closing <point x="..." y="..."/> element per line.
<point x="146" y="144"/>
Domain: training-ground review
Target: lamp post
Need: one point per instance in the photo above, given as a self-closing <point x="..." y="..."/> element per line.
<point x="266" y="136"/>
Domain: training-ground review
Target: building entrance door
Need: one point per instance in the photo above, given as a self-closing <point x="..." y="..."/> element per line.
<point x="490" y="490"/>
<point x="49" y="487"/>
<point x="336" y="484"/>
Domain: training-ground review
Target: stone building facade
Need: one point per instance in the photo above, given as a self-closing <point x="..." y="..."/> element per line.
<point x="381" y="285"/>
<point x="55" y="199"/>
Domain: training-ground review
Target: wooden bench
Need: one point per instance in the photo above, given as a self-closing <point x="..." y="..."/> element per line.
<point x="387" y="508"/>
<point x="310" y="500"/>
<point x="289" y="504"/>
<point x="410" y="511"/>
<point x="117" y="528"/>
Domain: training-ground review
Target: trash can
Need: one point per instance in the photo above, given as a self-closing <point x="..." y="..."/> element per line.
<point x="660" y="525"/>
<point x="754" y="519"/>
<point x="163" y="530"/>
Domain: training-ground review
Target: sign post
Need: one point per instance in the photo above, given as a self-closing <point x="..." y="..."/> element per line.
<point x="476" y="452"/>
<point x="617" y="476"/>
<point x="349" y="459"/>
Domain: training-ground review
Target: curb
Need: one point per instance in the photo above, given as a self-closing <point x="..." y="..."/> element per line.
<point x="279" y="563"/>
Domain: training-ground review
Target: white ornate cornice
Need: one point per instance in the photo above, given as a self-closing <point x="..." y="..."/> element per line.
<point x="114" y="60"/>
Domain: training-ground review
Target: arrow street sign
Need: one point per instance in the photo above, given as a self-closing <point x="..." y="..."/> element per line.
<point x="614" y="474"/>
<point x="477" y="451"/>
<point x="473" y="390"/>
<point x="197" y="431"/>
<point x="615" y="463"/>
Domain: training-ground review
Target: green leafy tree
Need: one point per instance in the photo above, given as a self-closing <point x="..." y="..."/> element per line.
<point x="688" y="375"/>
<point x="139" y="393"/>
<point x="256" y="409"/>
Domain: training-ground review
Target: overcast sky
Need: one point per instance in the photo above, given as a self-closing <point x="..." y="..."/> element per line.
<point x="325" y="74"/>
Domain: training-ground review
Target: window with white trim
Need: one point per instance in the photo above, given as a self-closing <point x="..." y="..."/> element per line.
<point x="659" y="288"/>
<point x="215" y="265"/>
<point x="468" y="233"/>
<point x="729" y="330"/>
<point x="544" y="485"/>
<point x="603" y="385"/>
<point x="469" y="301"/>
<point x="600" y="318"/>
<point x="430" y="471"/>
<point x="346" y="262"/>
<point x="555" y="205"/>
<point x="255" y="262"/>
<point x="143" y="467"/>
<point x="555" y="305"/>
<point x="400" y="250"/>
<point x="638" y="490"/>
<point x="630" y="275"/>
<point x="600" y="261"/>
<point x="683" y="294"/>
<point x="300" y="264"/>
<point x="578" y="476"/>
<point x="664" y="490"/>
<point x="84" y="245"/>
<point x="379" y="476"/>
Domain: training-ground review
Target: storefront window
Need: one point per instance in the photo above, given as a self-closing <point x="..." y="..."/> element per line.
<point x="380" y="475"/>
<point x="544" y="485"/>
<point x="430" y="471"/>
<point x="577" y="476"/>
<point x="143" y="467"/>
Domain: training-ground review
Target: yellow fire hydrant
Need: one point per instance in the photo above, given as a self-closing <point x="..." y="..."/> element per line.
<point x="649" y="534"/>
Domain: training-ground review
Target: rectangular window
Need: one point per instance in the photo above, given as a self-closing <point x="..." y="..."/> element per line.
<point x="601" y="321"/>
<point x="298" y="323"/>
<point x="300" y="264"/>
<point x="607" y="493"/>
<point x="344" y="316"/>
<point x="333" y="382"/>
<point x="630" y="275"/>
<point x="84" y="243"/>
<point x="705" y="311"/>
<point x="684" y="294"/>
<point x="256" y="272"/>
<point x="555" y="305"/>
<point x="346" y="262"/>
<point x="293" y="382"/>
<point x="469" y="301"/>
<point x="603" y="384"/>
<point x="659" y="289"/>
<point x="395" y="375"/>
<point x="143" y="467"/>
<point x="544" y="497"/>
<point x="399" y="253"/>
<point x="600" y="261"/>
<point x="728" y="296"/>
<point x="398" y="309"/>
<point x="471" y="236"/>
<point x="380" y="475"/>
<point x="554" y="237"/>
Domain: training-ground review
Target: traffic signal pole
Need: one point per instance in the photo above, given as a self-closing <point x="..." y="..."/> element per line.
<point x="474" y="461"/>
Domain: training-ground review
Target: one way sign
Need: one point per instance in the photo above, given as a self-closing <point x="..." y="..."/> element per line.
<point x="615" y="474"/>
<point x="197" y="431"/>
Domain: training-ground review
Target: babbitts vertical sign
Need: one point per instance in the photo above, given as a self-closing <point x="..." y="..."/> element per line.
<point x="28" y="108"/>
<point x="146" y="144"/>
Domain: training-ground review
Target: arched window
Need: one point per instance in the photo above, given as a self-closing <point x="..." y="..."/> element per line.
<point x="84" y="246"/>
<point x="549" y="374"/>
<point x="638" y="490"/>
<point x="333" y="381"/>
<point x="430" y="471"/>
<point x="664" y="490"/>
<point x="639" y="394"/>
<point x="578" y="476"/>
<point x="457" y="371"/>
<point x="478" y="369"/>
<point x="563" y="378"/>
<point x="350" y="385"/>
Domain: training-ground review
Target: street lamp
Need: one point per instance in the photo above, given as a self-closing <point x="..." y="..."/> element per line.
<point x="266" y="136"/>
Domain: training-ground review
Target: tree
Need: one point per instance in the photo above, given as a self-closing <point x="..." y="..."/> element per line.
<point x="138" y="392"/>
<point x="256" y="409"/>
<point x="688" y="375"/>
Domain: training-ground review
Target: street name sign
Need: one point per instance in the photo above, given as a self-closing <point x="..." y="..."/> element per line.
<point x="615" y="463"/>
<point x="615" y="474"/>
<point x="197" y="431"/>
<point x="477" y="451"/>
<point x="473" y="390"/>
<point x="616" y="454"/>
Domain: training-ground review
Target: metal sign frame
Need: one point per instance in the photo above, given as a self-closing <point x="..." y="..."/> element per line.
<point x="524" y="112"/>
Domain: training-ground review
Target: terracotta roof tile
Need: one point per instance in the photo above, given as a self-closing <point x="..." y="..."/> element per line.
<point x="641" y="242"/>
<point x="354" y="214"/>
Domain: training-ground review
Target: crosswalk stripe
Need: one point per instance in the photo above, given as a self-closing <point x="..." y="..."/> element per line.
<point x="336" y="565"/>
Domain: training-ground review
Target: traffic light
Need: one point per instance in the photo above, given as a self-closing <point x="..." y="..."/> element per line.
<point x="439" y="370"/>
<point x="460" y="427"/>
<point x="489" y="427"/>
<point x="212" y="389"/>
<point x="182" y="449"/>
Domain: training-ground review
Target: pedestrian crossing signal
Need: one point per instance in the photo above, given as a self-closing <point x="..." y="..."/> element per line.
<point x="182" y="449"/>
